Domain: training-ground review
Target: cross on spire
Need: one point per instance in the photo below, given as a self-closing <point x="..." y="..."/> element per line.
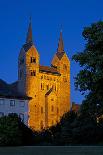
<point x="60" y="44"/>
<point x="29" y="34"/>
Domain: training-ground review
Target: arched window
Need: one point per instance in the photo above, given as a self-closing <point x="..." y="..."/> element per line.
<point x="41" y="86"/>
<point x="33" y="60"/>
<point x="52" y="108"/>
<point x="47" y="87"/>
<point x="41" y="125"/>
<point x="57" y="110"/>
<point x="33" y="73"/>
<point x="41" y="110"/>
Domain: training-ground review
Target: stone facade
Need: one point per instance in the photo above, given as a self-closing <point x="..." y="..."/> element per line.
<point x="49" y="87"/>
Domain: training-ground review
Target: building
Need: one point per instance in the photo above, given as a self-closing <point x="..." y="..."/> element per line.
<point x="18" y="105"/>
<point x="12" y="102"/>
<point x="49" y="86"/>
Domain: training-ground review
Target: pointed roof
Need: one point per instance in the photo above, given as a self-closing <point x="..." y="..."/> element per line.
<point x="29" y="34"/>
<point x="60" y="44"/>
<point x="29" y="38"/>
<point x="60" y="50"/>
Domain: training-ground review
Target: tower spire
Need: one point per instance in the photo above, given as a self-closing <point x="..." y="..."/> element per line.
<point x="60" y="44"/>
<point x="29" y="33"/>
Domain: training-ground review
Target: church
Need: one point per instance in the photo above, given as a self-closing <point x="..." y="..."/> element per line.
<point x="48" y="86"/>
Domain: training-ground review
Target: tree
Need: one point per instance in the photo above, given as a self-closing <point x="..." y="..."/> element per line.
<point x="14" y="132"/>
<point x="90" y="79"/>
<point x="9" y="130"/>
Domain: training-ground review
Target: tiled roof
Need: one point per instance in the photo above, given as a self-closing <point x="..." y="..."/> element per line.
<point x="47" y="69"/>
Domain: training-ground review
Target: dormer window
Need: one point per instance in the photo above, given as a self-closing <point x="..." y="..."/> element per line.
<point x="33" y="60"/>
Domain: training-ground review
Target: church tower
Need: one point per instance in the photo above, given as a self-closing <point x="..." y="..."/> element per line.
<point x="28" y="74"/>
<point x="62" y="63"/>
<point x="49" y="86"/>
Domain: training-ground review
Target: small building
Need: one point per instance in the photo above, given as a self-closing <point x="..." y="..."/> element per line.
<point x="12" y="102"/>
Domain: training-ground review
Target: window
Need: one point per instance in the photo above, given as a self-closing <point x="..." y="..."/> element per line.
<point x="1" y="101"/>
<point x="57" y="110"/>
<point x="41" y="86"/>
<point x="12" y="103"/>
<point x="1" y="114"/>
<point x="33" y="60"/>
<point x="22" y="117"/>
<point x="52" y="108"/>
<point x="22" y="103"/>
<point x="47" y="87"/>
<point x="41" y="110"/>
<point x="42" y="77"/>
<point x="52" y="99"/>
<point x="41" y="124"/>
<point x="33" y="73"/>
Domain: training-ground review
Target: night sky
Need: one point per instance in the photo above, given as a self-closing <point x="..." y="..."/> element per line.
<point x="48" y="17"/>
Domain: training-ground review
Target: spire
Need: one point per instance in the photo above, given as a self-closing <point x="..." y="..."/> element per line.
<point x="29" y="34"/>
<point x="60" y="44"/>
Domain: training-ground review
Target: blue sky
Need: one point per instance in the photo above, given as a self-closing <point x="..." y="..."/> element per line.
<point x="47" y="18"/>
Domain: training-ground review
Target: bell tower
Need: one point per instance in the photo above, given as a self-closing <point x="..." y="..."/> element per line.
<point x="62" y="63"/>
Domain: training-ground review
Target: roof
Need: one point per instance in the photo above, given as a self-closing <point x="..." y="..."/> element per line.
<point x="50" y="90"/>
<point x="60" y="55"/>
<point x="47" y="69"/>
<point x="27" y="46"/>
<point x="15" y="97"/>
<point x="10" y="91"/>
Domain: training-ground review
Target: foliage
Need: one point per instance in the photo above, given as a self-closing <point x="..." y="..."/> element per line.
<point x="14" y="132"/>
<point x="89" y="80"/>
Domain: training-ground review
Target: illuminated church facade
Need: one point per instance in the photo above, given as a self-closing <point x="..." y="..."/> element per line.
<point x="49" y="87"/>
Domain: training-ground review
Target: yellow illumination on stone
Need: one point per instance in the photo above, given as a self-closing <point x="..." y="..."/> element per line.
<point x="49" y="87"/>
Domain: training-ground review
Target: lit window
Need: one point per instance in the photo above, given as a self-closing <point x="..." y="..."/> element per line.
<point x="12" y="103"/>
<point x="1" y="114"/>
<point x="33" y="60"/>
<point x="1" y="101"/>
<point x="22" y="117"/>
